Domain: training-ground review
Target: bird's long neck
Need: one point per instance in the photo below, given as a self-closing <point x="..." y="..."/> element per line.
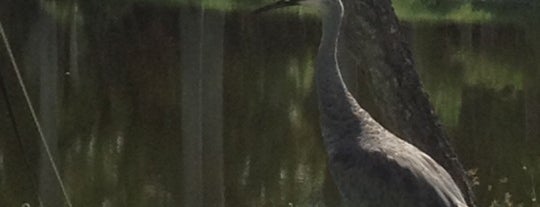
<point x="339" y="110"/>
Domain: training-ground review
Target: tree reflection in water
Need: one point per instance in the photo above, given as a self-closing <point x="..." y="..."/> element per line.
<point x="121" y="109"/>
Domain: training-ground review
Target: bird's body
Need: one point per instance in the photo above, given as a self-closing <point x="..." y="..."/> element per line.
<point x="375" y="168"/>
<point x="369" y="164"/>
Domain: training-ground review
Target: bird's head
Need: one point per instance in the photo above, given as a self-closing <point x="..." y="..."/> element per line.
<point x="317" y="4"/>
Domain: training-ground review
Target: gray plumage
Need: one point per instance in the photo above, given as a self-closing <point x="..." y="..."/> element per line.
<point x="369" y="164"/>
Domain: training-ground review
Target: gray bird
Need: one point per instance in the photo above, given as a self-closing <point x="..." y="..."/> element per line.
<point x="370" y="165"/>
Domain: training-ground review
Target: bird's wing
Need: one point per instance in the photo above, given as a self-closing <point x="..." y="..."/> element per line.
<point x="424" y="168"/>
<point x="387" y="170"/>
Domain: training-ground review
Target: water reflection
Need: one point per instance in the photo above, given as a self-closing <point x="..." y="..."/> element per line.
<point x="149" y="105"/>
<point x="476" y="76"/>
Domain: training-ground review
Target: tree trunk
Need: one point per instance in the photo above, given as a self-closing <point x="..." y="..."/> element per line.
<point x="74" y="28"/>
<point x="45" y="55"/>
<point x="212" y="117"/>
<point x="191" y="31"/>
<point x="202" y="106"/>
<point x="374" y="44"/>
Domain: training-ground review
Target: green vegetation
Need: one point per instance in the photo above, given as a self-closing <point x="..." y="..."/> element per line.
<point x="467" y="11"/>
<point x="418" y="10"/>
<point x="490" y="72"/>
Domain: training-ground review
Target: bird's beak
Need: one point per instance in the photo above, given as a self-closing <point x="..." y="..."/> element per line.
<point x="277" y="5"/>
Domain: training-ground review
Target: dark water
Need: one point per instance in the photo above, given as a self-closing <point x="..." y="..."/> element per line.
<point x="159" y="105"/>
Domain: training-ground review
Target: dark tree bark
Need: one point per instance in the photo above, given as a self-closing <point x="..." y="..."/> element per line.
<point x="373" y="43"/>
